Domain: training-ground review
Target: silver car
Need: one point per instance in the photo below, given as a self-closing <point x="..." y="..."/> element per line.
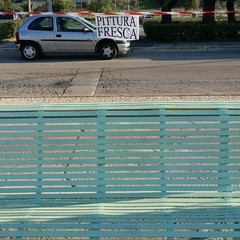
<point x="63" y="33"/>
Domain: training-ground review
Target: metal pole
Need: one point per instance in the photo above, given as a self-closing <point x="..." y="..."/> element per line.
<point x="29" y="6"/>
<point x="49" y="5"/>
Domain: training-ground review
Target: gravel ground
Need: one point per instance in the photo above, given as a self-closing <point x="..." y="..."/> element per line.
<point x="76" y="100"/>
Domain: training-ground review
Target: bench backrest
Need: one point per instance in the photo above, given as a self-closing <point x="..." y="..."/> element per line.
<point x="113" y="152"/>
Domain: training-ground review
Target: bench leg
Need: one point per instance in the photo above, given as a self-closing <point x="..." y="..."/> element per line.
<point x="21" y="228"/>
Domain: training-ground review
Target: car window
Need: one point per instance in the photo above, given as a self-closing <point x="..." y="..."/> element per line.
<point x="65" y="24"/>
<point x="86" y="22"/>
<point x="42" y="24"/>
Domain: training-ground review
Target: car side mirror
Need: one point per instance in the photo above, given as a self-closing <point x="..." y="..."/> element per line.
<point x="87" y="30"/>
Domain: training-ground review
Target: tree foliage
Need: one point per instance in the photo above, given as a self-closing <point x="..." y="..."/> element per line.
<point x="191" y="4"/>
<point x="100" y="6"/>
<point x="6" y="5"/>
<point x="63" y="5"/>
<point x="57" y="6"/>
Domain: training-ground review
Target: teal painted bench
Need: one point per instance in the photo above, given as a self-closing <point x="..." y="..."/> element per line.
<point x="120" y="171"/>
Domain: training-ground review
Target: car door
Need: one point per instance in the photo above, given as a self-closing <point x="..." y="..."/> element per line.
<point x="72" y="35"/>
<point x="41" y="31"/>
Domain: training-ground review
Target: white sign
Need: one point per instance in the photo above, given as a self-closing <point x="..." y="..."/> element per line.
<point x="117" y="27"/>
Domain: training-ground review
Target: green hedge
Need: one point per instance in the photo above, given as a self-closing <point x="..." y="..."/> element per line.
<point x="8" y="28"/>
<point x="191" y="31"/>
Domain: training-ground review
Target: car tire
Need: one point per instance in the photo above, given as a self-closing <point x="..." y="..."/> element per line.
<point x="108" y="50"/>
<point x="30" y="51"/>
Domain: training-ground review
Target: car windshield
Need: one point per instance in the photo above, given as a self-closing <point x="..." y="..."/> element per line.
<point x="89" y="24"/>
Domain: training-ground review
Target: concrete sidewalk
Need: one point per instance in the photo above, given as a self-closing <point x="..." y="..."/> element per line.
<point x="146" y="45"/>
<point x="7" y="45"/>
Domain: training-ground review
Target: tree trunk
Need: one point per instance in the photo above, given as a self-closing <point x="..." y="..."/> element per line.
<point x="48" y="5"/>
<point x="208" y="5"/>
<point x="230" y="7"/>
<point x="167" y="6"/>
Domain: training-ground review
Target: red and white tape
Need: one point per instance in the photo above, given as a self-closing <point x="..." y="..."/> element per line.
<point x="131" y="13"/>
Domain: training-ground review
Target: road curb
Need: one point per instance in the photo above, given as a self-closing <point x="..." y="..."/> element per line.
<point x="6" y="50"/>
<point x="184" y="49"/>
<point x="163" y="48"/>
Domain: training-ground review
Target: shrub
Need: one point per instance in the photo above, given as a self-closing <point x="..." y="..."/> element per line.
<point x="57" y="6"/>
<point x="191" y="4"/>
<point x="63" y="5"/>
<point x="6" y="5"/>
<point x="191" y="31"/>
<point x="100" y="6"/>
<point x="8" y="29"/>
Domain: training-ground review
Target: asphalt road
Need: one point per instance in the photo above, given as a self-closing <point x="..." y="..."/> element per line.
<point x="138" y="74"/>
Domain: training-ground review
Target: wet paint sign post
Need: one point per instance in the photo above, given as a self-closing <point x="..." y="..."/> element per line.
<point x="125" y="27"/>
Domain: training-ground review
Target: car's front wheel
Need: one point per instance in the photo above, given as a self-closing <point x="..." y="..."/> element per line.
<point x="108" y="50"/>
<point x="30" y="51"/>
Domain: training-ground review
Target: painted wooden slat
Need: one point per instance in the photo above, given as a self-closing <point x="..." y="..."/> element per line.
<point x="117" y="126"/>
<point x="127" y="233"/>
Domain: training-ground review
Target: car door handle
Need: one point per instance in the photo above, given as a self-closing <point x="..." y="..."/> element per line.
<point x="59" y="35"/>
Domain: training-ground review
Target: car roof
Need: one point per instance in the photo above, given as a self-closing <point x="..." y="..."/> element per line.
<point x="55" y="15"/>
